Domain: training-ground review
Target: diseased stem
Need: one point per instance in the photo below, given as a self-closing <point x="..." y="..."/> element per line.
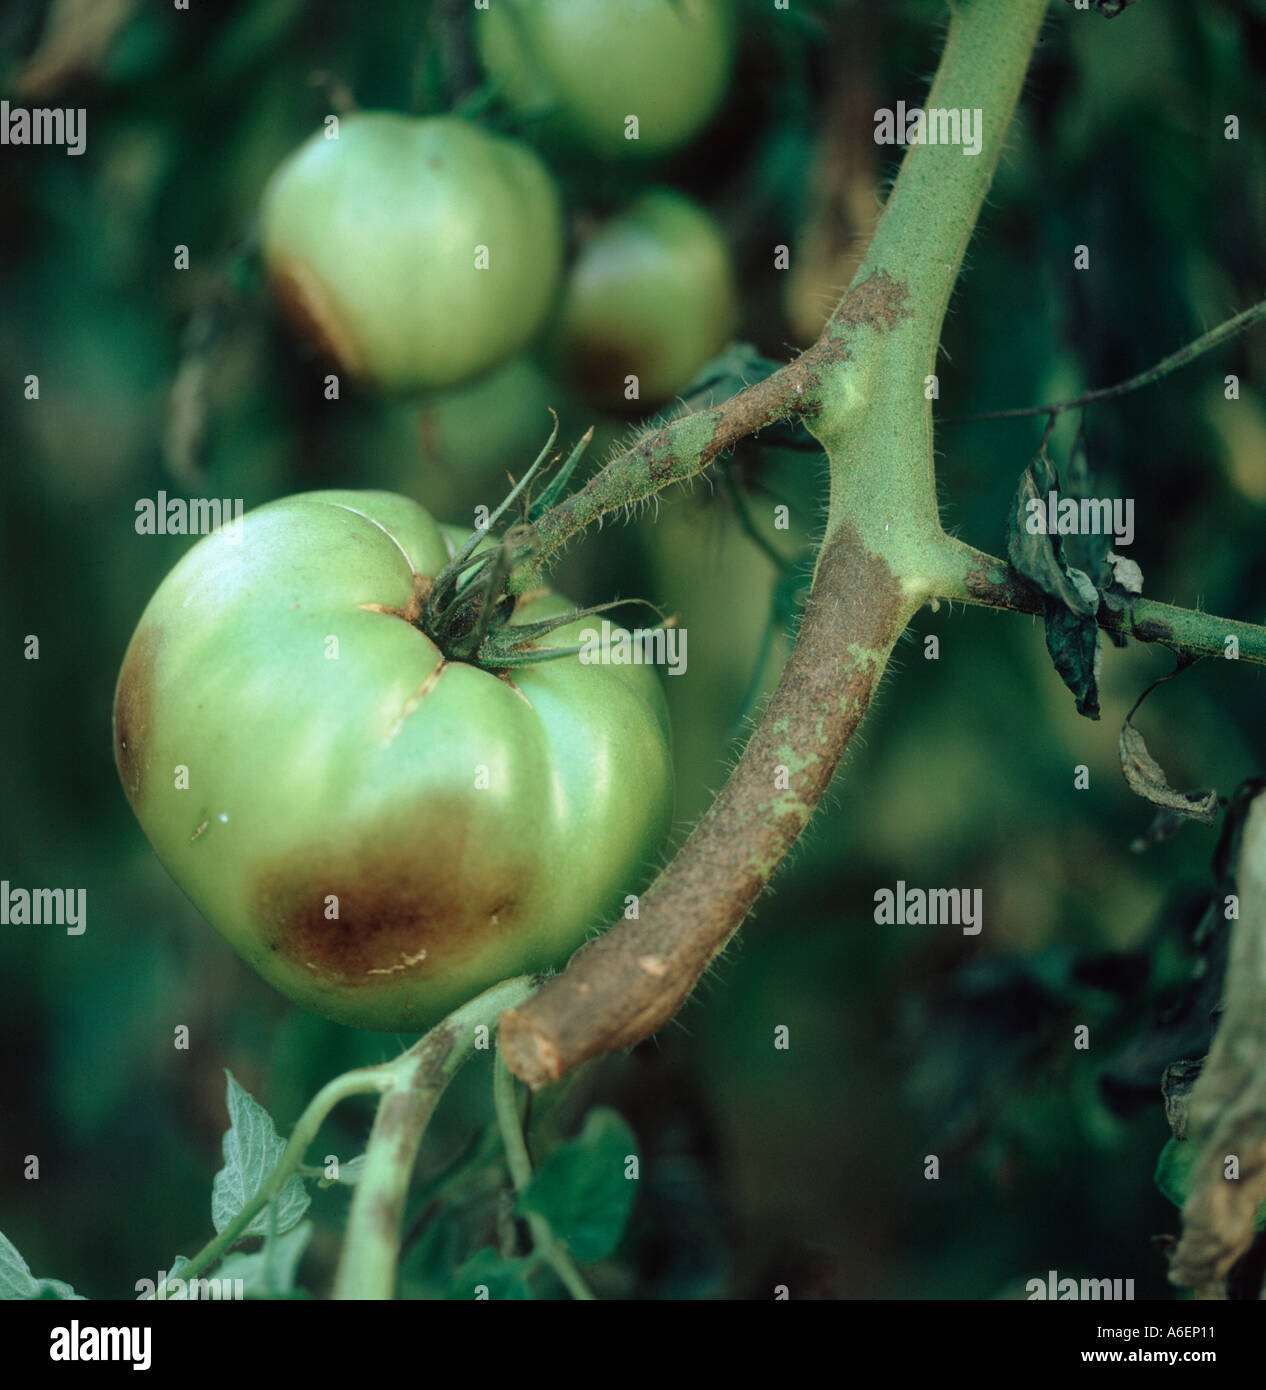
<point x="519" y="1162"/>
<point x="630" y="981"/>
<point x="972" y="576"/>
<point x="861" y="390"/>
<point x="674" y="453"/>
<point x="367" y="1267"/>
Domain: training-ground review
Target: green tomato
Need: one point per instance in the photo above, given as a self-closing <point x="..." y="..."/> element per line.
<point x="651" y="296"/>
<point x="380" y="832"/>
<point x="596" y="63"/>
<point x="414" y="253"/>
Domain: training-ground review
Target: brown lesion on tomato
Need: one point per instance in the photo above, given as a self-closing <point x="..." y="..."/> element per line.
<point x="134" y="709"/>
<point x="417" y="916"/>
<point x="309" y="308"/>
<point x="599" y="369"/>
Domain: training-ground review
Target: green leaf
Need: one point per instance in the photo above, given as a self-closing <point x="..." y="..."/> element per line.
<point x="1173" y="1170"/>
<point x="175" y="1270"/>
<point x="581" y="1189"/>
<point x="1173" y="1176"/>
<point x="487" y="1271"/>
<point x="18" y="1283"/>
<point x="270" y="1272"/>
<point x="252" y="1150"/>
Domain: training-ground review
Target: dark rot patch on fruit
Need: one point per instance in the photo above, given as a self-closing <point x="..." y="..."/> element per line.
<point x="309" y="308"/>
<point x="418" y="916"/>
<point x="133" y="711"/>
<point x="598" y="369"/>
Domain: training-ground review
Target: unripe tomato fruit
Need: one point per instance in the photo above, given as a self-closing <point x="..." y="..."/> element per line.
<point x="371" y="242"/>
<point x="667" y="62"/>
<point x="382" y="834"/>
<point x="651" y="295"/>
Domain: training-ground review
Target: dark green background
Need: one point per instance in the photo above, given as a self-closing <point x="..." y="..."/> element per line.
<point x="760" y="1167"/>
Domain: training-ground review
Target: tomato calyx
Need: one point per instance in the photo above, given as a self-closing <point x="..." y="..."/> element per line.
<point x="468" y="611"/>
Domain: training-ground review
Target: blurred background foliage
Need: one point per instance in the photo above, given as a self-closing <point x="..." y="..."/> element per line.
<point x="760" y="1167"/>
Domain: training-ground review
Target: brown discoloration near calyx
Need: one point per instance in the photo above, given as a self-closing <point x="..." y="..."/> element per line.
<point x="606" y="999"/>
<point x="399" y="914"/>
<point x="134" y="701"/>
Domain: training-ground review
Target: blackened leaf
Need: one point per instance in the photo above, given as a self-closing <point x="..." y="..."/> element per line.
<point x="1072" y="599"/>
<point x="1073" y="642"/>
<point x="1039" y="556"/>
<point x="1176" y="1086"/>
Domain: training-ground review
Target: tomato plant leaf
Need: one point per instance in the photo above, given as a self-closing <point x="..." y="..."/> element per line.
<point x="488" y="1271"/>
<point x="1147" y="779"/>
<point x="1173" y="1170"/>
<point x="581" y="1188"/>
<point x="270" y="1272"/>
<point x="18" y="1283"/>
<point x="1071" y="598"/>
<point x="1145" y="776"/>
<point x="252" y="1149"/>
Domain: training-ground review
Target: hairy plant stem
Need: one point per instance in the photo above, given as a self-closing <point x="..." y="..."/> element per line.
<point x="861" y="390"/>
<point x="367" y="1266"/>
<point x="969" y="575"/>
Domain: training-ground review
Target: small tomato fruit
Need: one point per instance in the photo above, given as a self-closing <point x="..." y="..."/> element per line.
<point x="381" y="832"/>
<point x="415" y="253"/>
<point x="651" y="296"/>
<point x="595" y="64"/>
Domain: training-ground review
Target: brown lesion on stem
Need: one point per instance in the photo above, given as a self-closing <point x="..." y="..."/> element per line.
<point x="627" y="983"/>
<point x="993" y="583"/>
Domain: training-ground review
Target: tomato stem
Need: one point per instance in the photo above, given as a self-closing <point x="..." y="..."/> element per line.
<point x="519" y="1162"/>
<point x="371" y="1249"/>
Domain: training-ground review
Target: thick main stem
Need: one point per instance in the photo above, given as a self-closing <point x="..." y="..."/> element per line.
<point x="866" y="402"/>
